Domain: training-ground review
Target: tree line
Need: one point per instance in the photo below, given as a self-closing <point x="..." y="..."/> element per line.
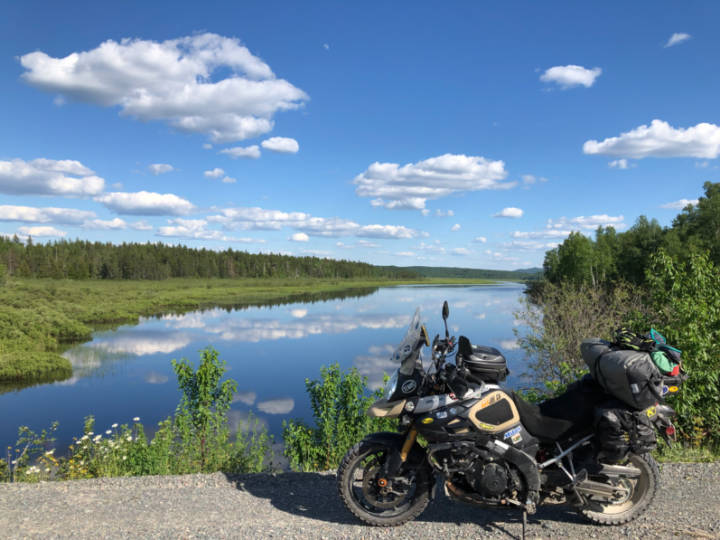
<point x="613" y="256"/>
<point x="79" y="259"/>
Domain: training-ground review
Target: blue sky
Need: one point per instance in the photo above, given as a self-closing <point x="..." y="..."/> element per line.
<point x="471" y="134"/>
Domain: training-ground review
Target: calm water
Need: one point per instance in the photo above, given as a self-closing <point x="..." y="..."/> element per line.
<point x="270" y="351"/>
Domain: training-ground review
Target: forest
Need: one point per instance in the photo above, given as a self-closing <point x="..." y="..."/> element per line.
<point x="626" y="256"/>
<point x="649" y="276"/>
<point x="81" y="260"/>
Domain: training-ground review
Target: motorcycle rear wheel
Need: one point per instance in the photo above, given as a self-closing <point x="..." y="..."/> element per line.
<point x="642" y="492"/>
<point x="379" y="501"/>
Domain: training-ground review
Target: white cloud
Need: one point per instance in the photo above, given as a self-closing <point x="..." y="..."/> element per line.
<point x="298" y="313"/>
<point x="48" y="177"/>
<point x="510" y="212"/>
<point x="559" y="229"/>
<point x="254" y="218"/>
<point x="160" y="168"/>
<point x="532" y="245"/>
<point x="141" y="226"/>
<point x="217" y="172"/>
<point x="443" y="213"/>
<point x="326" y="46"/>
<point x="480" y="239"/>
<point x="41" y="230"/>
<point x="277" y="406"/>
<point x="571" y="75"/>
<point x="619" y="164"/>
<point x="252" y="152"/>
<point x="455" y="227"/>
<point x="509" y="344"/>
<point x="229" y="180"/>
<point x="660" y="139"/>
<point x="207" y="146"/>
<point x="28" y="214"/>
<point x="677" y="37"/>
<point x="145" y="203"/>
<point x="406" y="254"/>
<point x="282" y="145"/>
<point x="411" y="185"/>
<point x="197" y="228"/>
<point x="116" y="223"/>
<point x="460" y="251"/>
<point x="153" y="377"/>
<point x="248" y="398"/>
<point x="300" y="237"/>
<point x="175" y="81"/>
<point x="679" y="205"/>
<point x="587" y="222"/>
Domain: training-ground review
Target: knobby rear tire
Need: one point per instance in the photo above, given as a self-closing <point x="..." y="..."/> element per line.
<point x="345" y="476"/>
<point x="644" y="491"/>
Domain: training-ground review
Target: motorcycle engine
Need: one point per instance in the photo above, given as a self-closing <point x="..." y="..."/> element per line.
<point x="492" y="480"/>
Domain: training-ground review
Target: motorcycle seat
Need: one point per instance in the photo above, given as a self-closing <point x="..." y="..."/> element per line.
<point x="564" y="415"/>
<point x="545" y="428"/>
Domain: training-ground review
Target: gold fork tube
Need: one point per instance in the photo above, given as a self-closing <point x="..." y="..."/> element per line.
<point x="411" y="437"/>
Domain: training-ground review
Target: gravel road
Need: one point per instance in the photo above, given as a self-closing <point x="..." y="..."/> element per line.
<point x="306" y="505"/>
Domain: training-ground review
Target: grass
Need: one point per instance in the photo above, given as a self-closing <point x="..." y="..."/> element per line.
<point x="38" y="317"/>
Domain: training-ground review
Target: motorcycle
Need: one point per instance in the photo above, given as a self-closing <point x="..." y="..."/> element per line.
<point x="488" y="446"/>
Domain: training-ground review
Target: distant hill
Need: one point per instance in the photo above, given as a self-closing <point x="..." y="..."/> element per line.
<point x="469" y="273"/>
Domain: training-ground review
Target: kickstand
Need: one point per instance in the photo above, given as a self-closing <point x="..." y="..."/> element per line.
<point x="524" y="523"/>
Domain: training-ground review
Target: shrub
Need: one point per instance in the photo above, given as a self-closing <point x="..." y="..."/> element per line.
<point x="196" y="439"/>
<point x="339" y="401"/>
<point x="686" y="298"/>
<point x="561" y="317"/>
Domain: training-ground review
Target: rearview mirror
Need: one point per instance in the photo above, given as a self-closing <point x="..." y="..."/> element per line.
<point x="446" y="310"/>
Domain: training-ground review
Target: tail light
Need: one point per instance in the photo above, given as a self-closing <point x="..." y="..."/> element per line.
<point x="670" y="431"/>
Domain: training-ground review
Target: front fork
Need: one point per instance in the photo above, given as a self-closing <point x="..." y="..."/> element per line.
<point x="395" y="461"/>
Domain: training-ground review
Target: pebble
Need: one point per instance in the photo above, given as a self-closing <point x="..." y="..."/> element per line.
<point x="306" y="505"/>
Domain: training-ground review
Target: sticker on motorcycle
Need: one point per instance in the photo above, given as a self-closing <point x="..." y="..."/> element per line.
<point x="408" y="387"/>
<point x="511" y="433"/>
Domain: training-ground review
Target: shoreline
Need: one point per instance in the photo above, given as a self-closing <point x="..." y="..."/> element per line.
<point x="40" y="318"/>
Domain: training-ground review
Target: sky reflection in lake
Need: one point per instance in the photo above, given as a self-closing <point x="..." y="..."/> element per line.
<point x="270" y="351"/>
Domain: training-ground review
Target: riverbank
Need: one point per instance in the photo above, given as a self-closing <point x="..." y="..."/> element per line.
<point x="38" y="317"/>
<point x="306" y="505"/>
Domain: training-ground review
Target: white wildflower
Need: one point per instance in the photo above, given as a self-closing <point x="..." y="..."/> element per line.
<point x="50" y="452"/>
<point x="91" y="433"/>
<point x="136" y="419"/>
<point x="47" y="469"/>
<point x="108" y="432"/>
<point x="129" y="438"/>
<point x="97" y="438"/>
<point x="124" y="458"/>
<point x="13" y="462"/>
<point x="114" y="426"/>
<point x="84" y="438"/>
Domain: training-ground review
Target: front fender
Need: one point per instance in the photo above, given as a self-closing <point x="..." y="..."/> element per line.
<point x="416" y="456"/>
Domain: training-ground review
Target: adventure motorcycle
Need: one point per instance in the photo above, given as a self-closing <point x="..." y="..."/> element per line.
<point x="488" y="446"/>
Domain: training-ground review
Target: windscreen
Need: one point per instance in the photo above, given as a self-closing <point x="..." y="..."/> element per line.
<point x="407" y="349"/>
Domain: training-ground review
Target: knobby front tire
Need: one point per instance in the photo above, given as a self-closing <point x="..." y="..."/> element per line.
<point x="358" y="478"/>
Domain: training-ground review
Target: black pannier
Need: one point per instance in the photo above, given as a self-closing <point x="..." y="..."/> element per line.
<point x="620" y="431"/>
<point x="628" y="375"/>
<point x="486" y="363"/>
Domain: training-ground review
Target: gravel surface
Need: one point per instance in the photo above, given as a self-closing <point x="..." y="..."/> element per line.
<point x="306" y="505"/>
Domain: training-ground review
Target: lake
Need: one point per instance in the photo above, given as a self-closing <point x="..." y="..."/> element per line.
<point x="126" y="372"/>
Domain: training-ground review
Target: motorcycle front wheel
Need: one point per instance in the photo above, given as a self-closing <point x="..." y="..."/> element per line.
<point x="640" y="493"/>
<point x="376" y="499"/>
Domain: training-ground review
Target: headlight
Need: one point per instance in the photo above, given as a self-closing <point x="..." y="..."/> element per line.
<point x="391" y="386"/>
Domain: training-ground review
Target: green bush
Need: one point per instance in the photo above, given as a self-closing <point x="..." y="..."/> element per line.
<point x="339" y="401"/>
<point x="196" y="439"/>
<point x="560" y="316"/>
<point x="686" y="299"/>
